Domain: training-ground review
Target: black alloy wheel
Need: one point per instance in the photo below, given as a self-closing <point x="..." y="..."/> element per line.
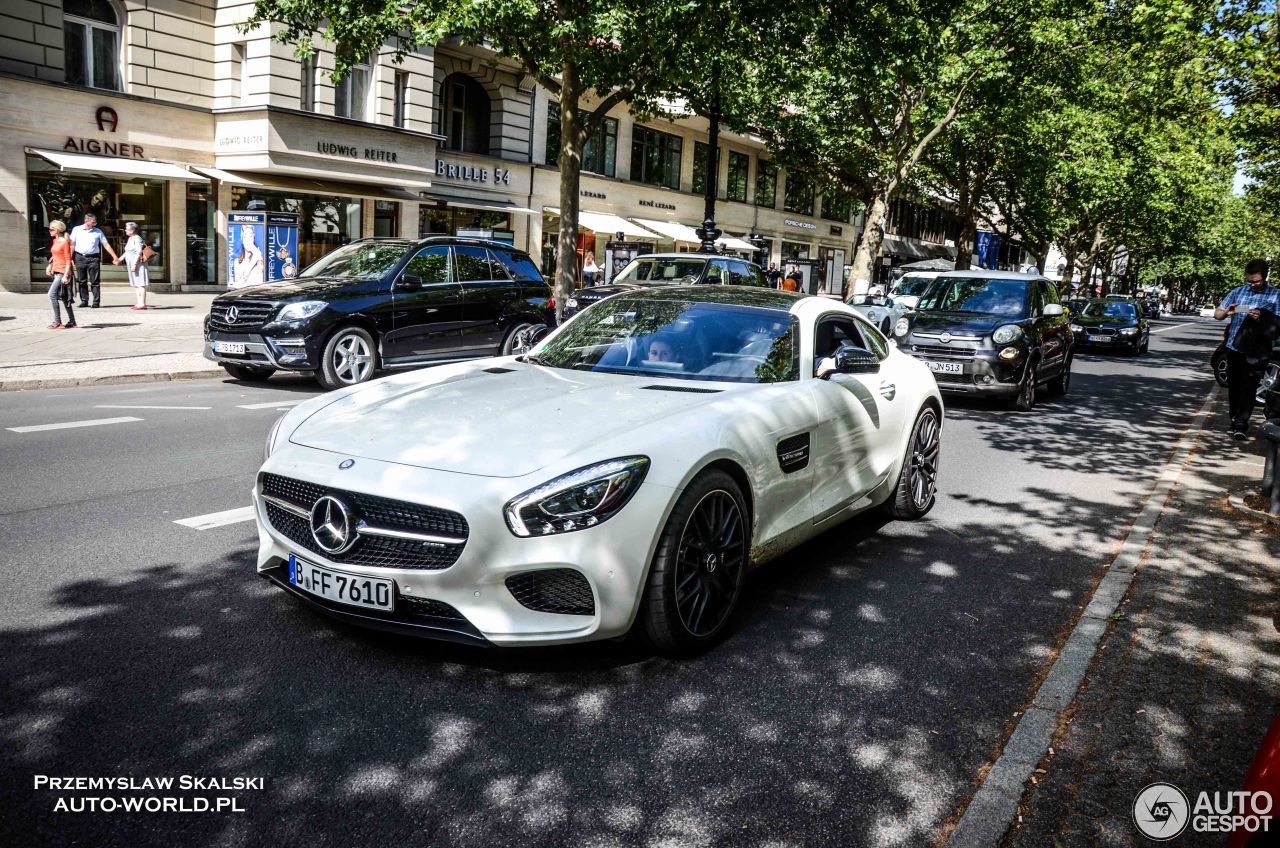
<point x="917" y="488"/>
<point x="247" y="373"/>
<point x="1025" y="399"/>
<point x="698" y="571"/>
<point x="1219" y="364"/>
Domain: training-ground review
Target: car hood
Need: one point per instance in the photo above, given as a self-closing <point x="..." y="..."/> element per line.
<point x="1102" y="321"/>
<point x="311" y="287"/>
<point x="960" y="323"/>
<point x="468" y="420"/>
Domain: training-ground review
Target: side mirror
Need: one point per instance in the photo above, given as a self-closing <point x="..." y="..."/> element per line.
<point x="408" y="283"/>
<point x="1053" y="310"/>
<point x="856" y="360"/>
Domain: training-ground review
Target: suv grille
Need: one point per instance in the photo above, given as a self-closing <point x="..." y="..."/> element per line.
<point x="1099" y="331"/>
<point x="559" y="590"/>
<point x="250" y="315"/>
<point x="943" y="350"/>
<point x="376" y="551"/>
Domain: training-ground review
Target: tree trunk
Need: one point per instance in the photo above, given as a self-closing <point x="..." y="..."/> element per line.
<point x="1041" y="254"/>
<point x="1069" y="273"/>
<point x="570" y="161"/>
<point x="966" y="241"/>
<point x="868" y="251"/>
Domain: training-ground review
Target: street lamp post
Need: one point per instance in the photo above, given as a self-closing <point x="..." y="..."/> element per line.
<point x="709" y="232"/>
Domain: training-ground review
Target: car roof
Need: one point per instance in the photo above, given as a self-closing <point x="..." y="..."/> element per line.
<point x="991" y="275"/>
<point x="730" y="295"/>
<point x="693" y="255"/>
<point x="429" y="240"/>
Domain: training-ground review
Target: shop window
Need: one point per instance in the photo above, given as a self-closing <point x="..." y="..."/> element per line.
<point x="201" y="238"/>
<point x="466" y="111"/>
<point x="402" y="98"/>
<point x="385" y="219"/>
<point x="307" y="81"/>
<point x="351" y="94"/>
<point x="655" y="157"/>
<point x="739" y="164"/>
<point x="837" y="206"/>
<point x="766" y="184"/>
<point x="91" y="40"/>
<point x="700" y="167"/>
<point x="55" y="195"/>
<point x="324" y="222"/>
<point x="599" y="153"/>
<point x="799" y="197"/>
<point x="794" y="250"/>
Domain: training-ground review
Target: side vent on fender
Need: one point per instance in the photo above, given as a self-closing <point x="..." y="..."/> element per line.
<point x="496" y="370"/>
<point x="793" y="453"/>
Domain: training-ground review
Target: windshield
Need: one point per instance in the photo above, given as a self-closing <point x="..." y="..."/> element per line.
<point x="672" y="270"/>
<point x="365" y="260"/>
<point x="911" y="286"/>
<point x="672" y="338"/>
<point x="1110" y="309"/>
<point x="982" y="295"/>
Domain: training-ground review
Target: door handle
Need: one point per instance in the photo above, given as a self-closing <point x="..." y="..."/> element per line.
<point x="888" y="390"/>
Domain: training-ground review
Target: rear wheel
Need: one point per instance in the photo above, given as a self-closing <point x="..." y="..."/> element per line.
<point x="1219" y="364"/>
<point x="349" y="358"/>
<point x="697" y="573"/>
<point x="917" y="488"/>
<point x="248" y="373"/>
<point x="1025" y="399"/>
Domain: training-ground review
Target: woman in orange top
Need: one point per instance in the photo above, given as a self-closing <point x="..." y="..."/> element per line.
<point x="60" y="269"/>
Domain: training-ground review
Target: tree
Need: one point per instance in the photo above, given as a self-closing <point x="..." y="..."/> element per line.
<point x="604" y="52"/>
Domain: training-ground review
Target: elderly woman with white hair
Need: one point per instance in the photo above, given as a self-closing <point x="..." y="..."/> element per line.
<point x="135" y="265"/>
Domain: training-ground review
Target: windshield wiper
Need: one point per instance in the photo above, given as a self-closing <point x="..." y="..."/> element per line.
<point x="534" y="360"/>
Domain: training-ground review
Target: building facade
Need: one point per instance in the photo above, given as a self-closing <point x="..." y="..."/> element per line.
<point x="164" y="113"/>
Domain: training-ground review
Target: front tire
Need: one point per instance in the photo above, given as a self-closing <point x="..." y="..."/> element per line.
<point x="1219" y="364"/>
<point x="1025" y="399"/>
<point x="696" y="576"/>
<point x="247" y="373"/>
<point x="516" y="337"/>
<point x="1061" y="383"/>
<point x="917" y="488"/>
<point x="349" y="358"/>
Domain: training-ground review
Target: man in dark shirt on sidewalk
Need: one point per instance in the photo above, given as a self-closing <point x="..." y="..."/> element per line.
<point x="1241" y="304"/>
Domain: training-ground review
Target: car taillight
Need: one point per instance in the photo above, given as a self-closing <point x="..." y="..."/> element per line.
<point x="551" y="302"/>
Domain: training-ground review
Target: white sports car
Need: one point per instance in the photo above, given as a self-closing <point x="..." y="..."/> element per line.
<point x="723" y="426"/>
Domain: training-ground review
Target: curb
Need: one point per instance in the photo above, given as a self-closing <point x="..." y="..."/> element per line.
<point x="108" y="380"/>
<point x="1237" y="502"/>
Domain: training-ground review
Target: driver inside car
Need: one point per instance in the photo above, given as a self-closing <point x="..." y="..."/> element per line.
<point x="664" y="348"/>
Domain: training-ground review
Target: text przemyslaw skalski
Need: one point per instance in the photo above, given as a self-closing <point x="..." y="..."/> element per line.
<point x="184" y="782"/>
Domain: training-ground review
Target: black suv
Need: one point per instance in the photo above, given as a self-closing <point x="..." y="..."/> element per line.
<point x="380" y="303"/>
<point x="671" y="269"/>
<point x="993" y="333"/>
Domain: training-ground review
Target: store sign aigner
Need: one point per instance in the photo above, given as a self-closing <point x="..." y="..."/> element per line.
<point x="108" y="121"/>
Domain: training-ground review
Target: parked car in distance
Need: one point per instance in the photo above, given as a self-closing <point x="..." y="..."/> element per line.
<point x="885" y="313"/>
<point x="671" y="269"/>
<point x="380" y="303"/>
<point x="727" y="424"/>
<point x="1112" y="324"/>
<point x="995" y="333"/>
<point x="1075" y="305"/>
<point x="1207" y="310"/>
<point x="910" y="286"/>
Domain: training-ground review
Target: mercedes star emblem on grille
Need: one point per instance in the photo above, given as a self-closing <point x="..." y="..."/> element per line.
<point x="233" y="314"/>
<point x="346" y="463"/>
<point x="332" y="526"/>
<point x="945" y="338"/>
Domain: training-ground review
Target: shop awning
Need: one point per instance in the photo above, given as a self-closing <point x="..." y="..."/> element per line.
<point x="904" y="248"/>
<point x="111" y="166"/>
<point x="733" y="243"/>
<point x="673" y="230"/>
<point x="488" y="204"/>
<point x="307" y="185"/>
<point x="605" y="222"/>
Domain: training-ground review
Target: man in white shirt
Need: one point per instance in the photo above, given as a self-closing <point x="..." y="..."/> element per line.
<point x="87" y="242"/>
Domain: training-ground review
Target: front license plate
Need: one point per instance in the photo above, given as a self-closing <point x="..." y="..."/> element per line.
<point x="1099" y="338"/>
<point x="946" y="367"/>
<point x="354" y="589"/>
<point x="228" y="347"/>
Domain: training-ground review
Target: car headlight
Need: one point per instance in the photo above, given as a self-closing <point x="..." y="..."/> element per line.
<point x="1006" y="334"/>
<point x="902" y="327"/>
<point x="271" y="438"/>
<point x="1128" y="331"/>
<point x="301" y="311"/>
<point x="1076" y="328"/>
<point x="577" y="500"/>
<point x="571" y="303"/>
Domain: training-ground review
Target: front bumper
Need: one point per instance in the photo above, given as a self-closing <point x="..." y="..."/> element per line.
<point x="470" y="600"/>
<point x="291" y="353"/>
<point x="982" y="373"/>
<point x="1115" y="342"/>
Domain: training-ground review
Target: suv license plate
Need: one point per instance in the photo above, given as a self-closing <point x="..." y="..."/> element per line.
<point x="354" y="589"/>
<point x="228" y="347"/>
<point x="946" y="367"/>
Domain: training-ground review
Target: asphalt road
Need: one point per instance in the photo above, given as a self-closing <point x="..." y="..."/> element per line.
<point x="872" y="674"/>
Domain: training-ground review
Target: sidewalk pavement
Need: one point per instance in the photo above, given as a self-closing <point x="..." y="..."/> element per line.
<point x="1183" y="688"/>
<point x="113" y="344"/>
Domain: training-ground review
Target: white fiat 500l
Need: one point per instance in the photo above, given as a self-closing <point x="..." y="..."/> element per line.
<point x="628" y="470"/>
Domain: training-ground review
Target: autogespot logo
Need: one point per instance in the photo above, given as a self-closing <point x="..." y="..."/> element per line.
<point x="1160" y="811"/>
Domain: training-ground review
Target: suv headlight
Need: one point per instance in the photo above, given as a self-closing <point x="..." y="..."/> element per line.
<point x="901" y="328"/>
<point x="577" y="500"/>
<point x="1006" y="334"/>
<point x="301" y="311"/>
<point x="271" y="438"/>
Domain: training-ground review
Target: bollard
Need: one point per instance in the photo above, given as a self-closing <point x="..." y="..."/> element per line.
<point x="1271" y="472"/>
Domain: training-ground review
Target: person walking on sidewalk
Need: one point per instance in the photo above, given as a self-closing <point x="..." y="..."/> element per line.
<point x="135" y="265"/>
<point x="87" y="242"/>
<point x="1243" y="303"/>
<point x="60" y="269"/>
<point x="589" y="271"/>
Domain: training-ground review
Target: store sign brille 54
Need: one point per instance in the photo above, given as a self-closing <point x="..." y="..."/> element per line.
<point x="472" y="173"/>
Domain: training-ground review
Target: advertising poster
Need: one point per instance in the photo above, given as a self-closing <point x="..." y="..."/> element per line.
<point x="988" y="249"/>
<point x="282" y="245"/>
<point x="246" y="234"/>
<point x="618" y="253"/>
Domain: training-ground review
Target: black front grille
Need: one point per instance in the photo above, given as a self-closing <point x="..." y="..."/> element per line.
<point x="385" y="513"/>
<point x="428" y="608"/>
<point x="1099" y="331"/>
<point x="558" y="590"/>
<point x="250" y="315"/>
<point x="956" y="379"/>
<point x="944" y="350"/>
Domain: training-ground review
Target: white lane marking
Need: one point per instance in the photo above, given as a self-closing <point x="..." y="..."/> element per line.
<point x="1174" y="327"/>
<point x="272" y="405"/>
<point x="128" y="406"/>
<point x="66" y="425"/>
<point x="218" y="519"/>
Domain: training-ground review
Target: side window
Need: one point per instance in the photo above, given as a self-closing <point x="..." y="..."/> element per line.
<point x="500" y="271"/>
<point x="834" y="332"/>
<point x="1050" y="292"/>
<point x="1037" y="299"/>
<point x="431" y="264"/>
<point x="472" y="263"/>
<point x="876" y="343"/>
<point x="520" y="266"/>
<point x="740" y="274"/>
<point x="757" y="276"/>
<point x="717" y="271"/>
